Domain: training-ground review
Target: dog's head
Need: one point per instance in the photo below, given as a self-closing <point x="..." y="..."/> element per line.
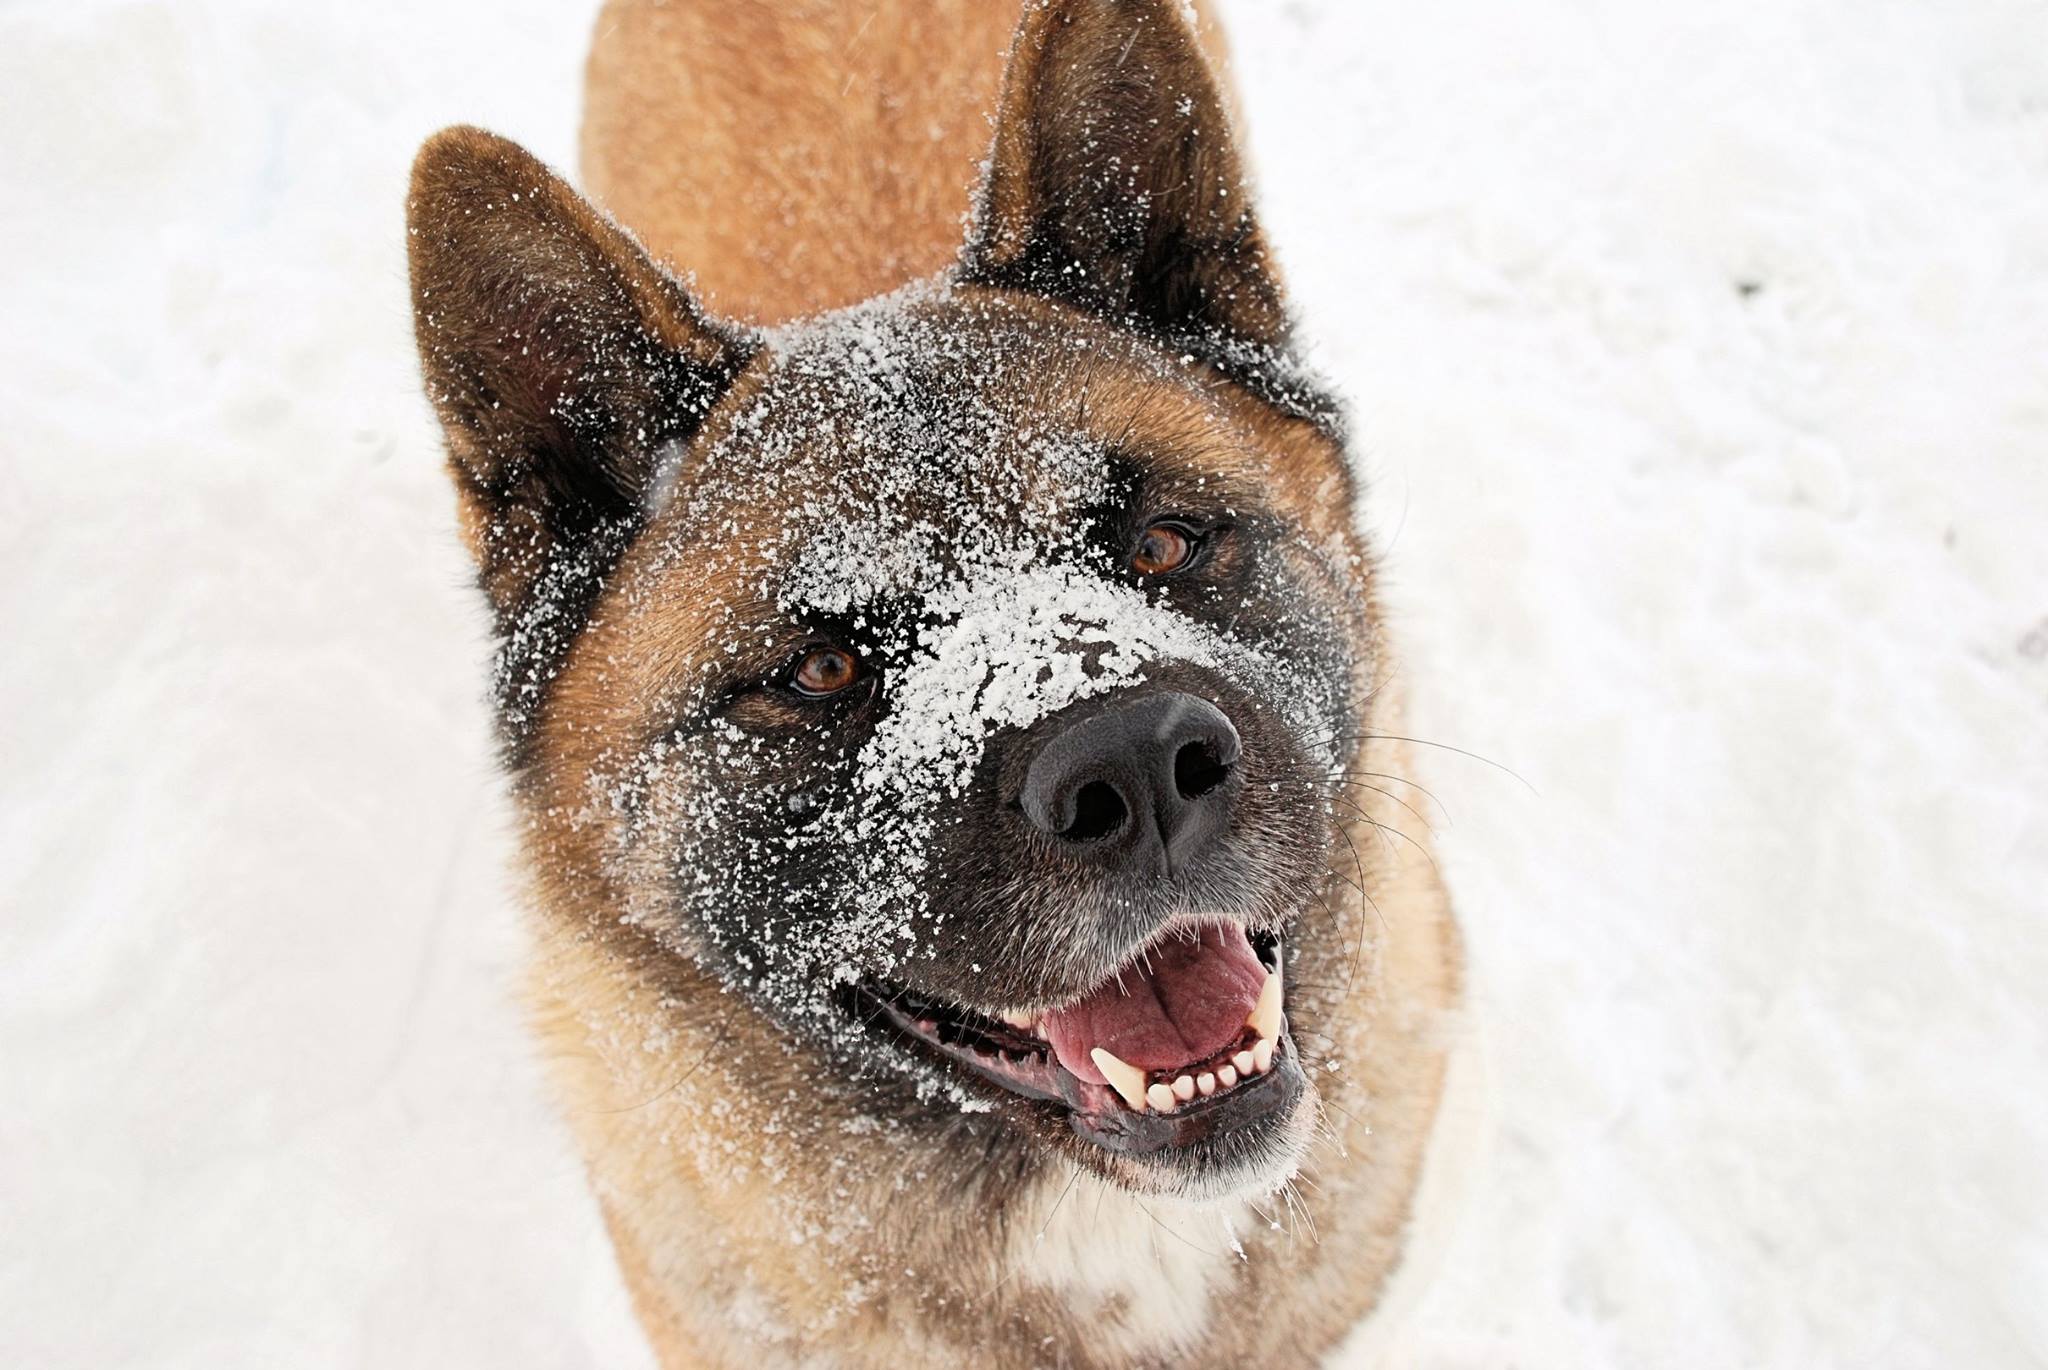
<point x="958" y="677"/>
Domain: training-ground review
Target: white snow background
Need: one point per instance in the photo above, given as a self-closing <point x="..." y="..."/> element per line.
<point x="1700" y="355"/>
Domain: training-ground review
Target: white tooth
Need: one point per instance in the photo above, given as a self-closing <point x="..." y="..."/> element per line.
<point x="1184" y="1088"/>
<point x="1161" y="1098"/>
<point x="1243" y="1062"/>
<point x="1226" y="1076"/>
<point x="1262" y="1054"/>
<point x="1126" y="1080"/>
<point x="1021" y="1021"/>
<point x="1206" y="1083"/>
<point x="1265" y="1019"/>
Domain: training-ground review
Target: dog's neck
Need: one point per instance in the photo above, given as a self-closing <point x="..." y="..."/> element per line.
<point x="1148" y="1274"/>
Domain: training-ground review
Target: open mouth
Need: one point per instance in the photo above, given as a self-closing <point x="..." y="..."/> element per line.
<point x="1186" y="1042"/>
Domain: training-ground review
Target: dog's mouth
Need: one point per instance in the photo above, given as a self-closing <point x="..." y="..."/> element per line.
<point x="1186" y="1043"/>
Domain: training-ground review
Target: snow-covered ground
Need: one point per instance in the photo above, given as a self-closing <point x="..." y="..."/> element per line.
<point x="1701" y="356"/>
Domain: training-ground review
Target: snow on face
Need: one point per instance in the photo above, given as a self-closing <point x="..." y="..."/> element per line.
<point x="928" y="487"/>
<point x="1009" y="649"/>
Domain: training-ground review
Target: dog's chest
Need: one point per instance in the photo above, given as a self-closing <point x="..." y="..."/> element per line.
<point x="1145" y="1273"/>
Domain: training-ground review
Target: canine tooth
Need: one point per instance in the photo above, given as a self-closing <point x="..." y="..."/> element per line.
<point x="1226" y="1076"/>
<point x="1161" y="1098"/>
<point x="1262" y="1054"/>
<point x="1021" y="1021"/>
<point x="1243" y="1062"/>
<point x="1126" y="1080"/>
<point x="1206" y="1082"/>
<point x="1184" y="1088"/>
<point x="1265" y="1018"/>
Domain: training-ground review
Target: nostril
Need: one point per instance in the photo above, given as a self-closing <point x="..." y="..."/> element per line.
<point x="1198" y="768"/>
<point x="1098" y="811"/>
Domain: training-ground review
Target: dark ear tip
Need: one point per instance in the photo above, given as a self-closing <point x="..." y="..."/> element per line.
<point x="463" y="157"/>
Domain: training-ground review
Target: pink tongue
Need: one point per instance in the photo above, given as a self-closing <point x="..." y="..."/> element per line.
<point x="1185" y="1001"/>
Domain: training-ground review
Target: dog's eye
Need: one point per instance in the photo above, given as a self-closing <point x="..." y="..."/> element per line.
<point x="1163" y="547"/>
<point x="824" y="671"/>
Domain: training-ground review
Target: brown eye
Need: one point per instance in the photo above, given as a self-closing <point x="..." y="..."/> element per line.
<point x="1164" y="547"/>
<point x="825" y="671"/>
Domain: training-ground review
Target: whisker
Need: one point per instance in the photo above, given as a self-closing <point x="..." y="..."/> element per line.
<point x="1171" y="1233"/>
<point x="1443" y="746"/>
<point x="1361" y="785"/>
<point x="1056" y="1206"/>
<point x="1386" y="828"/>
<point x="1412" y="784"/>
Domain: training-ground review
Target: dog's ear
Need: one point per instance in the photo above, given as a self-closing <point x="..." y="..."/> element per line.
<point x="1115" y="185"/>
<point x="560" y="358"/>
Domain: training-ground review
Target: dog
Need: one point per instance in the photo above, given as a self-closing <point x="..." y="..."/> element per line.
<point x="978" y="913"/>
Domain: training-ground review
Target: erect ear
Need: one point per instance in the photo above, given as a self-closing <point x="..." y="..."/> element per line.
<point x="560" y="359"/>
<point x="1115" y="185"/>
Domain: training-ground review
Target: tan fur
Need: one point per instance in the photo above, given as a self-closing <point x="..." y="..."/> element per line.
<point x="801" y="155"/>
<point x="797" y="157"/>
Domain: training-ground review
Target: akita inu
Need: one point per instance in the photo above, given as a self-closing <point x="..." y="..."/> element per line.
<point x="943" y="693"/>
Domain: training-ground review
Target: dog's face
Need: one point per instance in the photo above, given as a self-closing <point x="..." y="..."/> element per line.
<point x="960" y="677"/>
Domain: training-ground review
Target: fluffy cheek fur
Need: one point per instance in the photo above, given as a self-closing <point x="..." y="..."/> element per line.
<point x="718" y="844"/>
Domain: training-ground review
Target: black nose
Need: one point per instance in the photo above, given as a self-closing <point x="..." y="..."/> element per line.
<point x="1144" y="786"/>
